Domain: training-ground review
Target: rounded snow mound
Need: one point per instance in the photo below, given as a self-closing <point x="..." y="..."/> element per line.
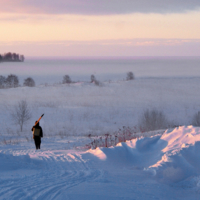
<point x="173" y="156"/>
<point x="181" y="156"/>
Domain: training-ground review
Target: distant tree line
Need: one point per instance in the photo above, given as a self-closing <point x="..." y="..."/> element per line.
<point x="66" y="79"/>
<point x="12" y="81"/>
<point x="11" y="57"/>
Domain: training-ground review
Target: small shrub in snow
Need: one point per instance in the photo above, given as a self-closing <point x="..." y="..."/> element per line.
<point x="66" y="79"/>
<point x="21" y="114"/>
<point x="95" y="81"/>
<point x="153" y="120"/>
<point x="93" y="78"/>
<point x="196" y="119"/>
<point x="130" y="76"/>
<point x="2" y="82"/>
<point x="29" y="82"/>
<point x="111" y="139"/>
<point x="98" y="83"/>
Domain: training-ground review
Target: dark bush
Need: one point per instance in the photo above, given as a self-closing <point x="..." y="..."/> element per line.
<point x="67" y="79"/>
<point x="93" y="78"/>
<point x="29" y="82"/>
<point x="12" y="81"/>
<point x="130" y="76"/>
<point x="21" y="113"/>
<point x="95" y="81"/>
<point x="12" y="57"/>
<point x="2" y="82"/>
<point x="98" y="83"/>
<point x="153" y="120"/>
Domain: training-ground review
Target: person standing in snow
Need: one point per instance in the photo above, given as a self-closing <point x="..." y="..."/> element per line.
<point x="37" y="134"/>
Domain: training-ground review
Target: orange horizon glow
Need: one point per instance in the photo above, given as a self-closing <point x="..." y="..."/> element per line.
<point x="23" y="27"/>
<point x="59" y="32"/>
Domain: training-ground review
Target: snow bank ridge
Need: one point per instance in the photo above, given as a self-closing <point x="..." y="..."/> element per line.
<point x="172" y="157"/>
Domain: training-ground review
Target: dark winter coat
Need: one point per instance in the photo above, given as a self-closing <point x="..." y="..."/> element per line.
<point x="37" y="126"/>
<point x="37" y="134"/>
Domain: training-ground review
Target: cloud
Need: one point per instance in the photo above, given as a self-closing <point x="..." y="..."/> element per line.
<point x="105" y="48"/>
<point x="120" y="42"/>
<point x="98" y="7"/>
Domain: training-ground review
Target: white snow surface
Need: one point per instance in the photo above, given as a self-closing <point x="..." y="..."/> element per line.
<point x="164" y="167"/>
<point x="83" y="108"/>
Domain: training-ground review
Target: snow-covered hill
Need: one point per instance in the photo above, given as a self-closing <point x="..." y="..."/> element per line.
<point x="161" y="167"/>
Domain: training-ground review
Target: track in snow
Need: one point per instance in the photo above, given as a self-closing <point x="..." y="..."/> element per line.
<point x="47" y="176"/>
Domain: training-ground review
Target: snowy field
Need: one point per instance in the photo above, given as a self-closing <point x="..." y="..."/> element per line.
<point x="84" y="108"/>
<point x="164" y="166"/>
<point x="161" y="167"/>
<point x="148" y="168"/>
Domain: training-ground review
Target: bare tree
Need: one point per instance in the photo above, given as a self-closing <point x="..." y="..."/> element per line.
<point x="67" y="79"/>
<point x="153" y="120"/>
<point x="29" y="82"/>
<point x="21" y="113"/>
<point x="130" y="76"/>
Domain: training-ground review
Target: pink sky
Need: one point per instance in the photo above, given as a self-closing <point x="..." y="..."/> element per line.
<point x="100" y="28"/>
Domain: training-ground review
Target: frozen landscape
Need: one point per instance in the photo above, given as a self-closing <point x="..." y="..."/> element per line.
<point x="160" y="164"/>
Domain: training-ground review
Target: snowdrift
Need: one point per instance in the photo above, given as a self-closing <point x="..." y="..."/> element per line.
<point x="172" y="157"/>
<point x="144" y="168"/>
